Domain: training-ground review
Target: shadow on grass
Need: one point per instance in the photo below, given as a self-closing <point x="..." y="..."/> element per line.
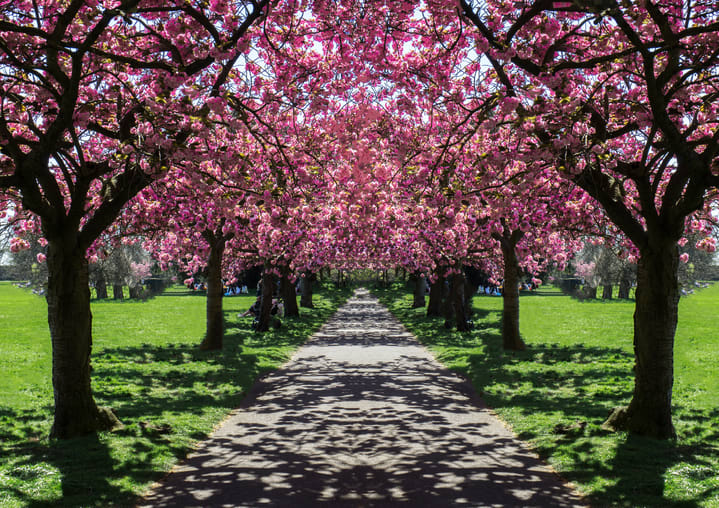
<point x="177" y="377"/>
<point x="293" y="332"/>
<point x="540" y="292"/>
<point x="185" y="292"/>
<point x="557" y="397"/>
<point x="168" y="397"/>
<point x="172" y="292"/>
<point x="31" y="466"/>
<point x="22" y="424"/>
<point x="81" y="467"/>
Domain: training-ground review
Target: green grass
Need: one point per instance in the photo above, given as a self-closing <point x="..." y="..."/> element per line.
<point x="147" y="367"/>
<point x="577" y="367"/>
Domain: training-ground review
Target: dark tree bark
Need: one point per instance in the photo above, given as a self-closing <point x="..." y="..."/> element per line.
<point x="624" y="287"/>
<point x="447" y="299"/>
<point x="117" y="292"/>
<point x="419" y="289"/>
<point x="101" y="286"/>
<point x="607" y="292"/>
<point x="70" y="320"/>
<point x="265" y="317"/>
<point x="458" y="302"/>
<point x="289" y="297"/>
<point x="511" y="339"/>
<point x="306" y="287"/>
<point x="136" y="291"/>
<point x="469" y="290"/>
<point x="214" y="316"/>
<point x="434" y="306"/>
<point x="655" y="323"/>
<point x="589" y="292"/>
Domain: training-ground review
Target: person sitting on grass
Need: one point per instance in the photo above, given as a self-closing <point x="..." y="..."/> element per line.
<point x="254" y="309"/>
<point x="277" y="308"/>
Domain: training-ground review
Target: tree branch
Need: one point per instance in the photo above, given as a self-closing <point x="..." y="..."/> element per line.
<point x="9" y="182"/>
<point x="603" y="188"/>
<point x="125" y="186"/>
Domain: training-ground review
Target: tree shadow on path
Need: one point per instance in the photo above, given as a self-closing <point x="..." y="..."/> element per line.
<point x="362" y="416"/>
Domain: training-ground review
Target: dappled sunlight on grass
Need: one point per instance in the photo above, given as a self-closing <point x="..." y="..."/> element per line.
<point x="147" y="366"/>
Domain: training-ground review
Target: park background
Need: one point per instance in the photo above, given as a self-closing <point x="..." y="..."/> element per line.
<point x="442" y="145"/>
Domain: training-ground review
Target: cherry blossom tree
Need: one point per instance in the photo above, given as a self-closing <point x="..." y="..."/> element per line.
<point x="620" y="98"/>
<point x="95" y="104"/>
<point x="360" y="134"/>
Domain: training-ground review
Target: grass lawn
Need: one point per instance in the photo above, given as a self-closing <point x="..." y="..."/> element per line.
<point x="577" y="367"/>
<point x="147" y="367"/>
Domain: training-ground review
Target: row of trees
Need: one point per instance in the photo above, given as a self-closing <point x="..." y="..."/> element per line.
<point x="119" y="266"/>
<point x="605" y="267"/>
<point x="300" y="135"/>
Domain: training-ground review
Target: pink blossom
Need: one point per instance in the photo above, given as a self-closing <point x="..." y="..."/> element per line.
<point x="18" y="244"/>
<point x="708" y="244"/>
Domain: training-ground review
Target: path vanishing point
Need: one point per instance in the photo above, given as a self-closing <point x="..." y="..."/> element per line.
<point x="362" y="416"/>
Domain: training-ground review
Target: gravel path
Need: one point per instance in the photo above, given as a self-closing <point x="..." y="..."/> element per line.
<point x="362" y="416"/>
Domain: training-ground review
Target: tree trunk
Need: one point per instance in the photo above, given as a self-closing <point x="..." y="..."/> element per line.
<point x="447" y="306"/>
<point x="589" y="292"/>
<point x="101" y="290"/>
<point x="215" y="319"/>
<point x="306" y="287"/>
<point x="117" y="292"/>
<point x="419" y="290"/>
<point x="101" y="286"/>
<point x="607" y="292"/>
<point x="265" y="317"/>
<point x="469" y="291"/>
<point x="624" y="287"/>
<point x="655" y="323"/>
<point x="136" y="292"/>
<point x="70" y="320"/>
<point x="434" y="307"/>
<point x="458" y="302"/>
<point x="508" y="240"/>
<point x="511" y="338"/>
<point x="289" y="297"/>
